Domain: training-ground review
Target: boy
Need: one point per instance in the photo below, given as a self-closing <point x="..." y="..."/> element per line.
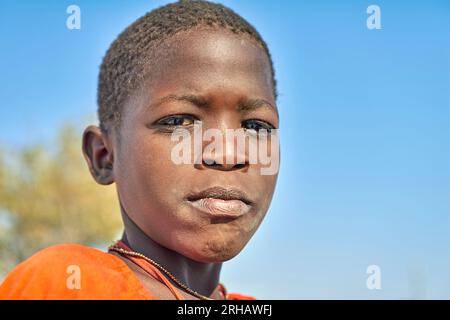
<point x="184" y="65"/>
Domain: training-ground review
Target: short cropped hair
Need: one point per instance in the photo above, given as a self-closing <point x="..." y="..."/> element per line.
<point x="123" y="67"/>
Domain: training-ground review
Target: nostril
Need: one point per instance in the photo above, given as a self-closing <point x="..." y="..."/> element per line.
<point x="223" y="166"/>
<point x="210" y="162"/>
<point x="239" y="165"/>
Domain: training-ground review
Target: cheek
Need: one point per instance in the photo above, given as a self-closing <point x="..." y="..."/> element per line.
<point x="150" y="188"/>
<point x="263" y="186"/>
<point x="146" y="178"/>
<point x="147" y="160"/>
<point x="269" y="182"/>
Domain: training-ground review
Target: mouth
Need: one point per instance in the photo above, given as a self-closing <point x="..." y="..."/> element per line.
<point x="221" y="202"/>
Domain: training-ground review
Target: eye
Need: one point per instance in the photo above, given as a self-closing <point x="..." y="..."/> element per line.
<point x="257" y="125"/>
<point x="180" y="120"/>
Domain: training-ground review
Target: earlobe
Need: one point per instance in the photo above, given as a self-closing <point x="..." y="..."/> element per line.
<point x="98" y="153"/>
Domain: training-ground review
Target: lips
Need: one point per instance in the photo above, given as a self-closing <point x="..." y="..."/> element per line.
<point x="221" y="202"/>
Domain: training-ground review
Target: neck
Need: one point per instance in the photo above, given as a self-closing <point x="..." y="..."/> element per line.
<point x="200" y="277"/>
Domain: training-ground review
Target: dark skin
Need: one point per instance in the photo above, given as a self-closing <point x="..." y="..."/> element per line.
<point x="223" y="71"/>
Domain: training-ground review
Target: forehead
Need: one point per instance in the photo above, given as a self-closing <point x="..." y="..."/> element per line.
<point x="208" y="62"/>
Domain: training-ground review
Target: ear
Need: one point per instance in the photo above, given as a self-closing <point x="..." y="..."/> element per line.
<point x="98" y="152"/>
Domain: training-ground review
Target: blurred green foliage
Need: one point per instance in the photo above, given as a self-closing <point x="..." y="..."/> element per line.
<point x="47" y="196"/>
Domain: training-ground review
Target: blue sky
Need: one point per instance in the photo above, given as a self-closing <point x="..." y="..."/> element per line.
<point x="365" y="133"/>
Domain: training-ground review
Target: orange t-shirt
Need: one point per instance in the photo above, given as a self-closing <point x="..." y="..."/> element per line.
<point x="72" y="271"/>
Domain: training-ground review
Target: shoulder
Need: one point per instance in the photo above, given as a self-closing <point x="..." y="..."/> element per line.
<point x="72" y="271"/>
<point x="65" y="253"/>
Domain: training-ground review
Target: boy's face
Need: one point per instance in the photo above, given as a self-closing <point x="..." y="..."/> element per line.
<point x="217" y="70"/>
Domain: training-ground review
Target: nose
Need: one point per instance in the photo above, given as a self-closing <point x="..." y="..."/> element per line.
<point x="229" y="155"/>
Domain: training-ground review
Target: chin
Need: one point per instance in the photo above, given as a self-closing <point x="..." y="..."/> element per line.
<point x="216" y="251"/>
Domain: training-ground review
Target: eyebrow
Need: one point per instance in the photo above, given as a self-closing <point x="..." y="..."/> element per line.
<point x="244" y="105"/>
<point x="250" y="104"/>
